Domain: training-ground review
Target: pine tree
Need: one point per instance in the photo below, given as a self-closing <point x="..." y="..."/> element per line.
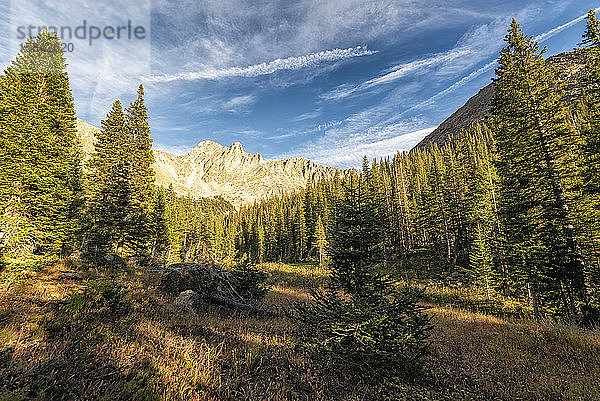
<point x="142" y="175"/>
<point x="159" y="225"/>
<point x="588" y="117"/>
<point x="321" y="238"/>
<point x="41" y="159"/>
<point x="534" y="139"/>
<point x="591" y="36"/>
<point x="355" y="249"/>
<point x="110" y="187"/>
<point x="363" y="319"/>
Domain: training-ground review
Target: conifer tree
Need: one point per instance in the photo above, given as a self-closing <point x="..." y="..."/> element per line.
<point x="159" y="224"/>
<point x="110" y="187"/>
<point x="363" y="319"/>
<point x="534" y="139"/>
<point x="355" y="248"/>
<point x="589" y="127"/>
<point x="142" y="175"/>
<point x="591" y="36"/>
<point x="42" y="156"/>
<point x="321" y="238"/>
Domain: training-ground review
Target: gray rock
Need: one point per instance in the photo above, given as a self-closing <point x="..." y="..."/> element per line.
<point x="188" y="300"/>
<point x="202" y="278"/>
<point x="70" y="276"/>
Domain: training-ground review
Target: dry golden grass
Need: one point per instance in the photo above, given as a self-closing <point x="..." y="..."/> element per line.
<point x="152" y="350"/>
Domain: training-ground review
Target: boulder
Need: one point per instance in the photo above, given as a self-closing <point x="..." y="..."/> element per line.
<point x="189" y="300"/>
<point x="205" y="279"/>
<point x="74" y="276"/>
<point x="196" y="285"/>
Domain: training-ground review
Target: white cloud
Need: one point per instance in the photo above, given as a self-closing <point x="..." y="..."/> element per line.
<point x="475" y="45"/>
<point x="487" y="67"/>
<point x="308" y="116"/>
<point x="397" y="72"/>
<point x="239" y="103"/>
<point x="553" y="32"/>
<point x="348" y="154"/>
<point x="290" y="63"/>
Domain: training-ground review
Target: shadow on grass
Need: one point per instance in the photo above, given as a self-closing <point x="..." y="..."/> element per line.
<point x="66" y="363"/>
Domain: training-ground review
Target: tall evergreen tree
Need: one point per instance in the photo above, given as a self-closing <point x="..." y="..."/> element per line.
<point x="355" y="249"/>
<point x="321" y="238"/>
<point x="591" y="36"/>
<point x="41" y="159"/>
<point x="142" y="175"/>
<point x="589" y="126"/>
<point x="110" y="186"/>
<point x="534" y="138"/>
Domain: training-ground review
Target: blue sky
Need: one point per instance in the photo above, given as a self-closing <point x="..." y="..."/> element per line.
<point x="326" y="80"/>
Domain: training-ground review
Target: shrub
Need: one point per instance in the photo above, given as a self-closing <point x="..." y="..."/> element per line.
<point x="378" y="335"/>
<point x="249" y="282"/>
<point x="99" y="298"/>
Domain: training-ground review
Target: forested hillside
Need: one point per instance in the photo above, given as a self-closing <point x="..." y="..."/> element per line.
<point x="513" y="206"/>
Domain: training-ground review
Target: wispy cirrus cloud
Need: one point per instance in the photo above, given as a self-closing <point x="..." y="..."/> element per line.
<point x="379" y="131"/>
<point x="396" y="73"/>
<point x="239" y="103"/>
<point x="541" y="38"/>
<point x="267" y="68"/>
<point x="346" y="151"/>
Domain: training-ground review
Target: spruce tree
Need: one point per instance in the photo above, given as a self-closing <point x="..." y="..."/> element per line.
<point x="534" y="140"/>
<point x="110" y="187"/>
<point x="139" y="152"/>
<point x="321" y="239"/>
<point x="364" y="320"/>
<point x="356" y="237"/>
<point x="42" y="156"/>
<point x="589" y="126"/>
<point x="159" y="224"/>
<point x="591" y="36"/>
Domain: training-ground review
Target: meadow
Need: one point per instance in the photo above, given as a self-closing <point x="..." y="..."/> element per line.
<point x="121" y="339"/>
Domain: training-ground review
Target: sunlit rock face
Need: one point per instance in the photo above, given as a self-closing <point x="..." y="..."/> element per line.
<point x="211" y="169"/>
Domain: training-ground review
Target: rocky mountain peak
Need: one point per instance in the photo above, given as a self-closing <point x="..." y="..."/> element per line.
<point x="211" y="169"/>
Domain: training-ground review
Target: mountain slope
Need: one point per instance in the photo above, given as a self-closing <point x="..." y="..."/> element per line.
<point x="570" y="67"/>
<point x="211" y="169"/>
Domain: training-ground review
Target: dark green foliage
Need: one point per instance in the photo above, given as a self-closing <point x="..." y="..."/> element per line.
<point x="535" y="143"/>
<point x="40" y="169"/>
<point x="99" y="299"/>
<point x="591" y="36"/>
<point x="364" y="320"/>
<point x="110" y="188"/>
<point x="127" y="212"/>
<point x="356" y="239"/>
<point x="382" y="336"/>
<point x="588" y="123"/>
<point x="249" y="282"/>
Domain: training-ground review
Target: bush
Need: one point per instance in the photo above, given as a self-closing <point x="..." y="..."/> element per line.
<point x="250" y="282"/>
<point x="99" y="298"/>
<point x="377" y="335"/>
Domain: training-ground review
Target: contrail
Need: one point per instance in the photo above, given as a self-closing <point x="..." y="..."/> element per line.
<point x="290" y="63"/>
<point x="539" y="38"/>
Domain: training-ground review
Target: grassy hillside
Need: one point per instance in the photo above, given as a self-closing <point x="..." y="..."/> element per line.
<point x="123" y="340"/>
